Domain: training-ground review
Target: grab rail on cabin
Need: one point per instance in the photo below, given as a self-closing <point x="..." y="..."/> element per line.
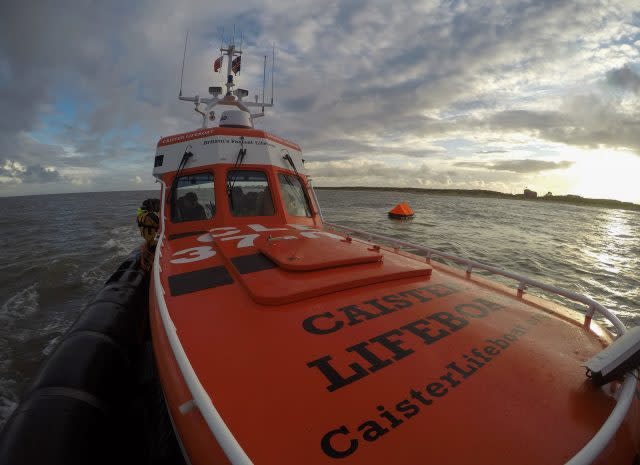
<point x="624" y="394"/>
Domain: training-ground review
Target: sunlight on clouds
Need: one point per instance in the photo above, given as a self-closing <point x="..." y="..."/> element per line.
<point x="606" y="174"/>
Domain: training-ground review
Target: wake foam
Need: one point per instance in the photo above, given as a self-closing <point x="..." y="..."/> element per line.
<point x="22" y="304"/>
<point x="7" y="406"/>
<point x="123" y="240"/>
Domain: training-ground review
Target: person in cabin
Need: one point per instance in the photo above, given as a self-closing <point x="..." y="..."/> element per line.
<point x="251" y="204"/>
<point x="238" y="201"/>
<point x="264" y="203"/>
<point x="190" y="209"/>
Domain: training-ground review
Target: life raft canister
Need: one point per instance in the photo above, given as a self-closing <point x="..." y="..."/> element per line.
<point x="148" y="220"/>
<point x="402" y="211"/>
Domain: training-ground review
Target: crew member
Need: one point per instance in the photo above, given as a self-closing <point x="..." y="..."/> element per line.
<point x="148" y="222"/>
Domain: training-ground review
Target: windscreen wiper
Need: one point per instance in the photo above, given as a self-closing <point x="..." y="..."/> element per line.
<point x="290" y="160"/>
<point x="239" y="158"/>
<point x="185" y="157"/>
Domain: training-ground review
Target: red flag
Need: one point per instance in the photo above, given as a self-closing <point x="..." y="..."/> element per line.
<point x="235" y="65"/>
<point x="217" y="64"/>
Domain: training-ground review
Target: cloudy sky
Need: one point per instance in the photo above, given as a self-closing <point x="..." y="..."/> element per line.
<point x="454" y="94"/>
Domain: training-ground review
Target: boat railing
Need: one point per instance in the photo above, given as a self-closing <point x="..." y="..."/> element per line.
<point x="625" y="393"/>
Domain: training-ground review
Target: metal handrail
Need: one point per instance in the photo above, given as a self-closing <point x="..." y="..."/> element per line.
<point x="625" y="394"/>
<point x="523" y="281"/>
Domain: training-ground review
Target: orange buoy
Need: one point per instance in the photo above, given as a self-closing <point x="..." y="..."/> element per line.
<point x="402" y="211"/>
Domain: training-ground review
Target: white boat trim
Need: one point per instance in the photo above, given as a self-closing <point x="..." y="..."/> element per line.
<point x="607" y="431"/>
<point x="185" y="456"/>
<point x="625" y="393"/>
<point x="228" y="443"/>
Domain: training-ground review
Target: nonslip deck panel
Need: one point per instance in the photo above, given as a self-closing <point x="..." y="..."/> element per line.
<point x="199" y="280"/>
<point x="252" y="263"/>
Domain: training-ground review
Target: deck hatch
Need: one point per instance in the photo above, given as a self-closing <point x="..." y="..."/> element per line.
<point x="318" y="253"/>
<point x="314" y="264"/>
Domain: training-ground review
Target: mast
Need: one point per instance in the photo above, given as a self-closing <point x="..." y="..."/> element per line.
<point x="231" y="97"/>
<point x="230" y="53"/>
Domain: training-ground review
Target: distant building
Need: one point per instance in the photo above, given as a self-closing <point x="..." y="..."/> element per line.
<point x="529" y="194"/>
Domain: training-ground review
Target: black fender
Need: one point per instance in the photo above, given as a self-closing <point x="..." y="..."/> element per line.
<point x="75" y="411"/>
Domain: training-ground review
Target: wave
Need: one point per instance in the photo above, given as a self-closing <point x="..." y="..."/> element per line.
<point x="123" y="239"/>
<point x="53" y="342"/>
<point x="22" y="304"/>
<point x="94" y="276"/>
<point x="7" y="406"/>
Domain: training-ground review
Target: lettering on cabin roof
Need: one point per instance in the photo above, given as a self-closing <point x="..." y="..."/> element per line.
<point x="238" y="141"/>
<point x="223" y="132"/>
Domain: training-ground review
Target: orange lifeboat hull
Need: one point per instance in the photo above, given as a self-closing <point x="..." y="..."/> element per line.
<point x="395" y="361"/>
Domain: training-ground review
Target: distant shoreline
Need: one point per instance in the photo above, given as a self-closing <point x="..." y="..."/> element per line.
<point x="567" y="199"/>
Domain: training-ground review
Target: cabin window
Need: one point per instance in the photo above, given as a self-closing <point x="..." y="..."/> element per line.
<point x="194" y="198"/>
<point x="249" y="193"/>
<point x="295" y="201"/>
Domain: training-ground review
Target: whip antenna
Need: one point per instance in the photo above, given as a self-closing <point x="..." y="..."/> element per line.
<point x="264" y="78"/>
<point x="184" y="54"/>
<point x="273" y="63"/>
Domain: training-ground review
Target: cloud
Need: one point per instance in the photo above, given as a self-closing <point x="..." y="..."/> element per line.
<point x="363" y="172"/>
<point x="624" y="78"/>
<point x="12" y="172"/>
<point x="587" y="120"/>
<point x="88" y="93"/>
<point x="518" y="166"/>
<point x="526" y="119"/>
<point x="367" y="171"/>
